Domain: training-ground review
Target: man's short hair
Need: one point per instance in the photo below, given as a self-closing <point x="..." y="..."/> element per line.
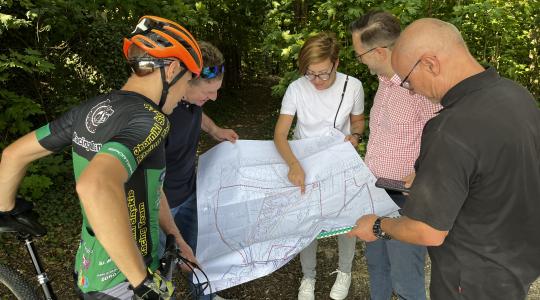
<point x="212" y="58"/>
<point x="377" y="28"/>
<point x="317" y="49"/>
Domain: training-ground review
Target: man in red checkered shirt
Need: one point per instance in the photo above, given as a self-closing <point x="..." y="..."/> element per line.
<point x="396" y="122"/>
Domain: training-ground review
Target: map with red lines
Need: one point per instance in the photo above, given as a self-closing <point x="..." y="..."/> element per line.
<point x="252" y="220"/>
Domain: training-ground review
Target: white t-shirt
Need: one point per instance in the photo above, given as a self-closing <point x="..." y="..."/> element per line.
<point x="316" y="109"/>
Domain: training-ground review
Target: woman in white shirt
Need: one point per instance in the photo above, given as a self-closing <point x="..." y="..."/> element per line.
<point x="322" y="99"/>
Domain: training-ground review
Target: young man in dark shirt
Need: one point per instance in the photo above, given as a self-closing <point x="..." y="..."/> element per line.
<point x="475" y="195"/>
<point x="187" y="120"/>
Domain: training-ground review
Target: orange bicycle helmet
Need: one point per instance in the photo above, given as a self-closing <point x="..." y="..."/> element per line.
<point x="162" y="38"/>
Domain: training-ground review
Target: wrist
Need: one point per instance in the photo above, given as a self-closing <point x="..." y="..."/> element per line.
<point x="212" y="130"/>
<point x="293" y="163"/>
<point x="358" y="136"/>
<point x="378" y="232"/>
<point x="139" y="280"/>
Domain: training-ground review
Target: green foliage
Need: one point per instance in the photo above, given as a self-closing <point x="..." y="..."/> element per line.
<point x="56" y="54"/>
<point x="504" y="34"/>
<point x="44" y="174"/>
<point x="17" y="108"/>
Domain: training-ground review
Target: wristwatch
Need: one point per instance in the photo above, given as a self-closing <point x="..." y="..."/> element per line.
<point x="377" y="230"/>
<point x="358" y="136"/>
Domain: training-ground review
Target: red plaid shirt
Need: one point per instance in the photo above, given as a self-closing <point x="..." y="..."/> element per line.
<point x="395" y="129"/>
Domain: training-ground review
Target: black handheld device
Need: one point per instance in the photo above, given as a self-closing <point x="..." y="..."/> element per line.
<point x="391" y="184"/>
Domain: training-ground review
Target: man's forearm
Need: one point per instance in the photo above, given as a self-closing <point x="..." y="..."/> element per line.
<point x="101" y="191"/>
<point x="166" y="220"/>
<point x="11" y="175"/>
<point x="207" y="125"/>
<point x="15" y="160"/>
<point x="413" y="232"/>
<point x="106" y="210"/>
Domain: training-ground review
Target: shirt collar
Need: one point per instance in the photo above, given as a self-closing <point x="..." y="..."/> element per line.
<point x="395" y="80"/>
<point x="469" y="85"/>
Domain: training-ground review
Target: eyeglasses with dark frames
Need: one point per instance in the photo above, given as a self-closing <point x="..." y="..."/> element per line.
<point x="405" y="82"/>
<point x="322" y="76"/>
<point x="359" y="56"/>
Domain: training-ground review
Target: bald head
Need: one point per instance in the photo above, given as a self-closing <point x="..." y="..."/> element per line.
<point x="442" y="56"/>
<point x="429" y="35"/>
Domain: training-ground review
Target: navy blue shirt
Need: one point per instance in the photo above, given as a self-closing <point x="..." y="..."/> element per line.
<point x="181" y="152"/>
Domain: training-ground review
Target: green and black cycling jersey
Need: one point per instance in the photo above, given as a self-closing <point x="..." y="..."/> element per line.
<point x="131" y="128"/>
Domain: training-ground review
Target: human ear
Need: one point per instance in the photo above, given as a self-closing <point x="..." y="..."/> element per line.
<point x="172" y="69"/>
<point x="382" y="52"/>
<point x="431" y="64"/>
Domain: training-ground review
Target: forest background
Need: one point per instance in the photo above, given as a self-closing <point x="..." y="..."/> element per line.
<point x="55" y="54"/>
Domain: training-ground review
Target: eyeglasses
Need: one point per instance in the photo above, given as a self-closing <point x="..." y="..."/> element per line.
<point x="359" y="56"/>
<point x="405" y="83"/>
<point x="322" y="76"/>
<point x="212" y="72"/>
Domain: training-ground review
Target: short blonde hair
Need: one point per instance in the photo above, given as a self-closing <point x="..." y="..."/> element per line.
<point x="317" y="49"/>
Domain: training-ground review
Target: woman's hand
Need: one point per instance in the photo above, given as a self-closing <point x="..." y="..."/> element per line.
<point x="354" y="139"/>
<point x="297" y="176"/>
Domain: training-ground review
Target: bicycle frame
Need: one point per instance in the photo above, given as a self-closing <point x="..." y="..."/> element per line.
<point x="41" y="275"/>
<point x="25" y="227"/>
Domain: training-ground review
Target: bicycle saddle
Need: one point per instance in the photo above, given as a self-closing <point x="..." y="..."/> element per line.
<point x="24" y="223"/>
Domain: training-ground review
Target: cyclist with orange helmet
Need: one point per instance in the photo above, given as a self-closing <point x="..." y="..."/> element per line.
<point x="119" y="164"/>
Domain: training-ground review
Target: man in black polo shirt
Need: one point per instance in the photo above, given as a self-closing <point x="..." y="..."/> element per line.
<point x="476" y="194"/>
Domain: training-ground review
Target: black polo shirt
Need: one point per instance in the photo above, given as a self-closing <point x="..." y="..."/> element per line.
<point x="181" y="152"/>
<point x="478" y="177"/>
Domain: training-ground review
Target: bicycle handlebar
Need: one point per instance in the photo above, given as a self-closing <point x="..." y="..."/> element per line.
<point x="170" y="257"/>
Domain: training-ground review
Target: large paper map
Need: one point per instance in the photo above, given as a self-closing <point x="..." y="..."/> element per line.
<point x="252" y="220"/>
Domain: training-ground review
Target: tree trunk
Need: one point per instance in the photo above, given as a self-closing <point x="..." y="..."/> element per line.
<point x="300" y="12"/>
<point x="233" y="65"/>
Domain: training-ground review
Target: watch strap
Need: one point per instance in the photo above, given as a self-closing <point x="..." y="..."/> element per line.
<point x="377" y="230"/>
<point x="357" y="135"/>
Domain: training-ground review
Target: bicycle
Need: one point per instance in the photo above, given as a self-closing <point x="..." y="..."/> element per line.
<point x="26" y="227"/>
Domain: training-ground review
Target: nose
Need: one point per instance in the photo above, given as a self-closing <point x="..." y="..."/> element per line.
<point x="317" y="79"/>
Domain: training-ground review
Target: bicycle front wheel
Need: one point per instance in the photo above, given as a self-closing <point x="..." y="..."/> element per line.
<point x="13" y="284"/>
